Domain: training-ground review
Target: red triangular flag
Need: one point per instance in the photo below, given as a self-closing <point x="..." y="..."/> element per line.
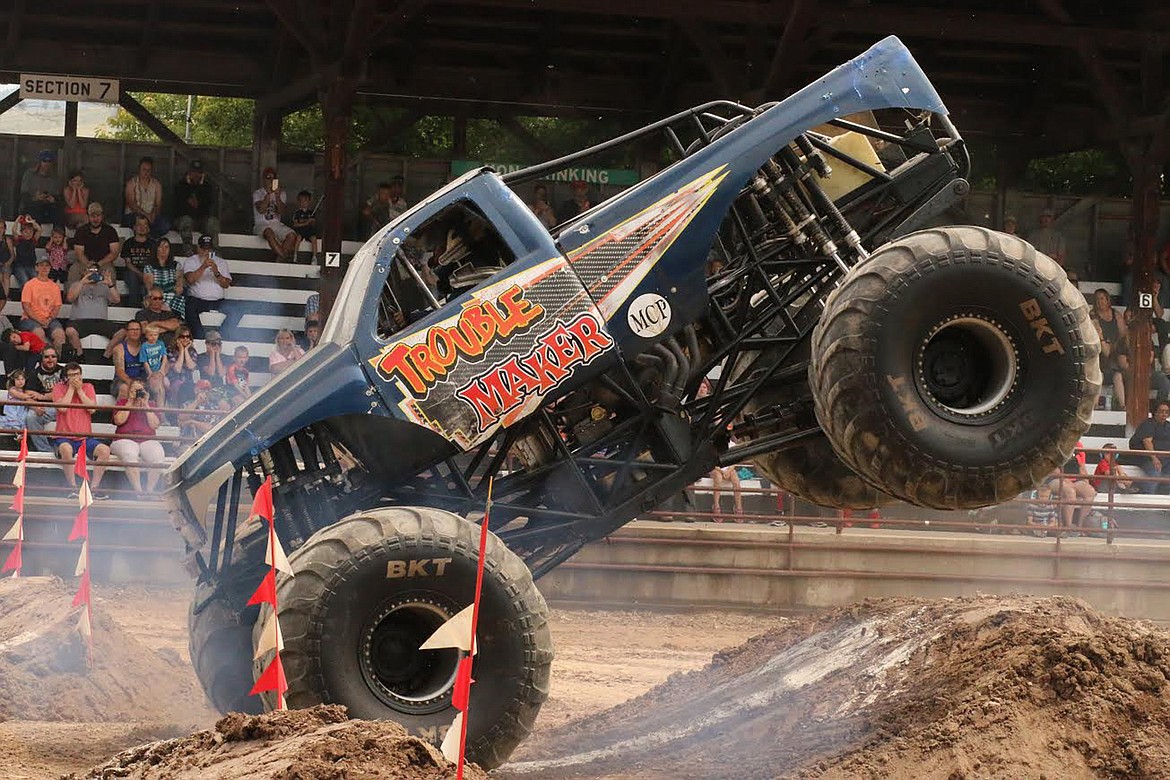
<point x="79" y="464"/>
<point x="23" y="445"/>
<point x="463" y="681"/>
<point x="18" y="500"/>
<point x="272" y="680"/>
<point x="14" y="560"/>
<point x="83" y="593"/>
<point x="262" y="502"/>
<point x="266" y="593"/>
<point x="80" y="526"/>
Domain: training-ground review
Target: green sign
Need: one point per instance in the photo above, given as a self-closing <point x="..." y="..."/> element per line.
<point x="621" y="177"/>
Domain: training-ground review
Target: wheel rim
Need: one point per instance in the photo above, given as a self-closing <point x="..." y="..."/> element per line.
<point x="968" y="368"/>
<point x="403" y="677"/>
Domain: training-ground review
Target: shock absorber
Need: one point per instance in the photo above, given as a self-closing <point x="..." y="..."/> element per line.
<point x="806" y="219"/>
<point x="763" y="188"/>
<point x="822" y="201"/>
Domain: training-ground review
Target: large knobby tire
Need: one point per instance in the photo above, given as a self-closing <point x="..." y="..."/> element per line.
<point x="813" y="472"/>
<point x="220" y="642"/>
<point x="955" y="368"/>
<point x="368" y="590"/>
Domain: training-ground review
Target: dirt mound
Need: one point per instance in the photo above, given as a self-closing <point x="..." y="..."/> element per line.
<point x="963" y="688"/>
<point x="43" y="671"/>
<point x="315" y="744"/>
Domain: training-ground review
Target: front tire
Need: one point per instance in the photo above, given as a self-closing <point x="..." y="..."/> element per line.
<point x="368" y="590"/>
<point x="955" y="368"/>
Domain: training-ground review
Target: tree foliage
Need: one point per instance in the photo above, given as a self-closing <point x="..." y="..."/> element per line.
<point x="215" y="121"/>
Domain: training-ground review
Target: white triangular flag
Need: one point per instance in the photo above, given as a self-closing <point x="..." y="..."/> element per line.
<point x="83" y="559"/>
<point x="456" y="632"/>
<point x="18" y="477"/>
<point x="270" y="636"/>
<point x="275" y="556"/>
<point x="450" y="746"/>
<point x="83" y="626"/>
<point x="84" y="496"/>
<point x="15" y="531"/>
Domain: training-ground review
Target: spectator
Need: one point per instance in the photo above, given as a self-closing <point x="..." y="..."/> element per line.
<point x="137" y="418"/>
<point x="718" y="477"/>
<point x="14" y="415"/>
<point x="204" y="401"/>
<point x="144" y="196"/>
<point x="58" y="253"/>
<point x="40" y="299"/>
<point x="194" y="200"/>
<point x="96" y="242"/>
<point x="268" y="204"/>
<point x="312" y="335"/>
<point x="1108" y="467"/>
<point x="138" y="251"/>
<point x="1152" y="434"/>
<point x="128" y="364"/>
<point x="305" y="221"/>
<point x="581" y="201"/>
<point x="286" y="353"/>
<point x="21" y="349"/>
<point x="25" y="249"/>
<point x="206" y="276"/>
<point x="76" y="198"/>
<point x="385" y="205"/>
<point x="1011" y="225"/>
<point x="184" y="368"/>
<point x="91" y="297"/>
<point x="1159" y="382"/>
<point x="7" y="256"/>
<point x="74" y="429"/>
<point x="1042" y="513"/>
<point x="164" y="273"/>
<point x="313" y="309"/>
<point x="237" y="380"/>
<point x="38" y="190"/>
<point x="43" y="377"/>
<point x="211" y="365"/>
<point x="154" y="358"/>
<point x="541" y="208"/>
<point x="156" y="313"/>
<point x="1048" y="239"/>
<point x="1111" y="329"/>
<point x="1071" y="485"/>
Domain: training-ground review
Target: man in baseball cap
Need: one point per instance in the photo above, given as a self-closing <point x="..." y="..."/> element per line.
<point x="40" y="190"/>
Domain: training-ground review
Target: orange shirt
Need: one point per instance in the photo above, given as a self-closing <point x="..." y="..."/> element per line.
<point x="42" y="299"/>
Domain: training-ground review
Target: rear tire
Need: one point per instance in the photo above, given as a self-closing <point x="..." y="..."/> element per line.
<point x="813" y="472"/>
<point x="955" y="367"/>
<point x="368" y="590"/>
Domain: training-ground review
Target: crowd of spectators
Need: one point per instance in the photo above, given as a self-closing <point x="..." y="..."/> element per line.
<point x="160" y="377"/>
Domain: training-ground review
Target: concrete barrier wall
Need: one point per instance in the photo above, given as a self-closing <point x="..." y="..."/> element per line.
<point x="747" y="567"/>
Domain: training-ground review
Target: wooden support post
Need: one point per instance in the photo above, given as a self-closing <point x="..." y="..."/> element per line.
<point x="1145" y="227"/>
<point x="337" y="105"/>
<point x="459" y="138"/>
<point x="265" y="139"/>
<point x="69" y="157"/>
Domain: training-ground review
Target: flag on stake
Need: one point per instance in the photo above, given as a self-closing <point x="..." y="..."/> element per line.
<point x="83" y="592"/>
<point x="15" y="558"/>
<point x="463" y="682"/>
<point x="82" y="560"/>
<point x="450" y="746"/>
<point x="84" y="625"/>
<point x="79" y="464"/>
<point x="266" y="593"/>
<point x="16" y="531"/>
<point x="270" y="637"/>
<point x="262" y="501"/>
<point x="273" y="679"/>
<point x="80" y="525"/>
<point x="275" y="556"/>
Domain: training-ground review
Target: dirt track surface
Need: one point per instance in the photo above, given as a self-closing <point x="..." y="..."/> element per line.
<point x="965" y="688"/>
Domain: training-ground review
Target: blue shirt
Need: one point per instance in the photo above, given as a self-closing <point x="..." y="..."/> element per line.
<point x="152" y="354"/>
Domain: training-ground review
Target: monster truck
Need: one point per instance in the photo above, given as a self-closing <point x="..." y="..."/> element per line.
<point x="779" y="286"/>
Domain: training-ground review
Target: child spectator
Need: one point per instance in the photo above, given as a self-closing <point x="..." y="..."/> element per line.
<point x="184" y="368"/>
<point x="305" y="221"/>
<point x="286" y="353"/>
<point x="204" y="401"/>
<point x="1107" y="467"/>
<point x="236" y="379"/>
<point x="25" y="249"/>
<point x="1042" y="513"/>
<point x="154" y="357"/>
<point x="58" y="253"/>
<point x="22" y="349"/>
<point x="7" y="255"/>
<point x="76" y="200"/>
<point x="15" y="416"/>
<point x="137" y="418"/>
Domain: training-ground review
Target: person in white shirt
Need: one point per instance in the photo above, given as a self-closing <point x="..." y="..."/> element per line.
<point x="267" y="209"/>
<point x="207" y="276"/>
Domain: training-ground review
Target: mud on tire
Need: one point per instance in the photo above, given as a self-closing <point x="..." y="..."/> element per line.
<point x="812" y="471"/>
<point x="367" y="591"/>
<point x="220" y="642"/>
<point x="955" y="367"/>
